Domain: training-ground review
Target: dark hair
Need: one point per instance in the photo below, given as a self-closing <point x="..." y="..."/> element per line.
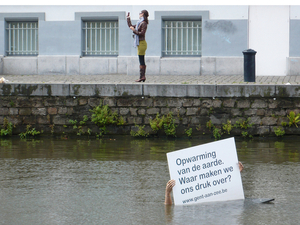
<point x="146" y="14"/>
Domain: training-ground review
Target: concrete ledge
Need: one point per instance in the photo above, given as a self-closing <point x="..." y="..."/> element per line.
<point x="19" y="65"/>
<point x="152" y="90"/>
<point x="34" y="89"/>
<point x="122" y="65"/>
<point x="288" y="91"/>
<point x="208" y="66"/>
<point x="180" y="66"/>
<point x="222" y="65"/>
<point x="82" y="90"/>
<point x="161" y="90"/>
<point x="293" y="66"/>
<point x="108" y="90"/>
<point x="94" y="66"/>
<point x="76" y="65"/>
<point x="51" y="65"/>
<point x="246" y="91"/>
<point x="153" y="65"/>
<point x="133" y="66"/>
<point x="72" y="65"/>
<point x="128" y="90"/>
<point x="105" y="90"/>
<point x="229" y="65"/>
<point x="201" y="91"/>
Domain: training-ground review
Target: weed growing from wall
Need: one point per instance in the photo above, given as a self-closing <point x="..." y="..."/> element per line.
<point x="30" y="132"/>
<point x="102" y="116"/>
<point x="79" y="127"/>
<point x="189" y="132"/>
<point x="227" y="127"/>
<point x="279" y="131"/>
<point x="157" y="123"/>
<point x="244" y="124"/>
<point x="169" y="125"/>
<point x="140" y="132"/>
<point x="209" y="125"/>
<point x="165" y="122"/>
<point x="121" y="121"/>
<point x="217" y="133"/>
<point x="7" y="128"/>
<point x="294" y="119"/>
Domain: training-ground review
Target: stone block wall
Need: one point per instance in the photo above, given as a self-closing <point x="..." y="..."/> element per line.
<point x="52" y="113"/>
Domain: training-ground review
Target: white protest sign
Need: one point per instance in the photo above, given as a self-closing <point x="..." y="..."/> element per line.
<point x="206" y="173"/>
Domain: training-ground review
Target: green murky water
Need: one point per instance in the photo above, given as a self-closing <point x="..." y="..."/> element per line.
<point x="121" y="180"/>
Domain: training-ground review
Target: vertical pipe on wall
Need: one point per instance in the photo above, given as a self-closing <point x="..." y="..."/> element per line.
<point x="171" y="38"/>
<point x="96" y="32"/>
<point x="105" y="39"/>
<point x="197" y="38"/>
<point x="9" y="38"/>
<point x="177" y="39"/>
<point x="192" y="47"/>
<point x="182" y="38"/>
<point x="26" y="38"/>
<point x="30" y="45"/>
<point x="100" y="38"/>
<point x="85" y="29"/>
<point x="166" y="38"/>
<point x="18" y="38"/>
<point x="187" y="38"/>
<point x="110" y="36"/>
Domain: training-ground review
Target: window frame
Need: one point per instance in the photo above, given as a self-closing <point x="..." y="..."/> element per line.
<point x="183" y="30"/>
<point x="99" y="16"/>
<point x="161" y="16"/>
<point x="19" y="17"/>
<point x="19" y="30"/>
<point x="85" y="34"/>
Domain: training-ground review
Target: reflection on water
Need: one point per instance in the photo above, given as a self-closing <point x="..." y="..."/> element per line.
<point x="121" y="180"/>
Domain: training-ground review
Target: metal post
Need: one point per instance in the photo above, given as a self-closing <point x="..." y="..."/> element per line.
<point x="249" y="65"/>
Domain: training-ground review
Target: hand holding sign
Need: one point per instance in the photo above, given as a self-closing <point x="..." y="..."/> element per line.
<point x="204" y="173"/>
<point x="171" y="184"/>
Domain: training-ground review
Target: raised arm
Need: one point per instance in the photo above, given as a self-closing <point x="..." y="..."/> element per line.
<point x="169" y="188"/>
<point x="129" y="22"/>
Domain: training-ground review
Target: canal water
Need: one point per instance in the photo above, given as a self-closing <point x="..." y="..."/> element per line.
<point x="121" y="180"/>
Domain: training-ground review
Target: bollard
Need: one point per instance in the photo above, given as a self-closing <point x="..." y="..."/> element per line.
<point x="249" y="65"/>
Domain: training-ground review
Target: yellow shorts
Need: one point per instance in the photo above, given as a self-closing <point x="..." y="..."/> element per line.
<point x="142" y="47"/>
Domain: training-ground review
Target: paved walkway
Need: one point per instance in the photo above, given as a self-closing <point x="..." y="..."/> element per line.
<point x="151" y="79"/>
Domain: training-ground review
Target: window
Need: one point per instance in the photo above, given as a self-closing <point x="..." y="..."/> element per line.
<point x="101" y="38"/>
<point x="182" y="38"/>
<point x="22" y="38"/>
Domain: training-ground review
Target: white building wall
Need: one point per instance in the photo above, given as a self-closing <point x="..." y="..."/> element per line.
<point x="295" y="12"/>
<point x="269" y="36"/>
<point x="67" y="13"/>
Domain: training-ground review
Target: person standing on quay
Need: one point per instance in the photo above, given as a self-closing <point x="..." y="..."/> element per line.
<point x="139" y="32"/>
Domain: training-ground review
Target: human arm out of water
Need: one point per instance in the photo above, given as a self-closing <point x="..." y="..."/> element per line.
<point x="241" y="167"/>
<point x="169" y="188"/>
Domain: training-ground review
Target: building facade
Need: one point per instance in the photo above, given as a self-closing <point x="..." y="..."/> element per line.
<point x="182" y="40"/>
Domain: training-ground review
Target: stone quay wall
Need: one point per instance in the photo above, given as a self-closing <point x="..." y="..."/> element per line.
<point x="50" y="107"/>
